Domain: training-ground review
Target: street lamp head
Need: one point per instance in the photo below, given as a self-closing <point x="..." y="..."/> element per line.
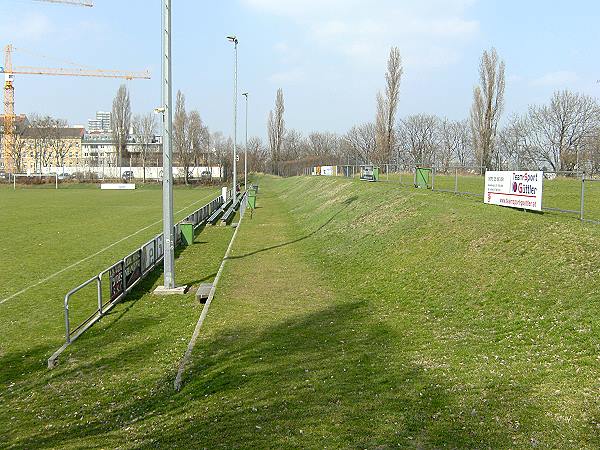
<point x="245" y="94"/>
<point x="233" y="39"/>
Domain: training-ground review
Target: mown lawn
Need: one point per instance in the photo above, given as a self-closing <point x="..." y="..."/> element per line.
<point x="362" y="315"/>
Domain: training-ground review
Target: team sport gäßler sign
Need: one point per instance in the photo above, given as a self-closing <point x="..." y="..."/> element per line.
<point x="514" y="189"/>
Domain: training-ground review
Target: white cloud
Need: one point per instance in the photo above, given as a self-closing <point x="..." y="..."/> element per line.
<point x="31" y="27"/>
<point x="560" y="78"/>
<point x="293" y="76"/>
<point x="282" y="47"/>
<point x="514" y="78"/>
<point x="428" y="33"/>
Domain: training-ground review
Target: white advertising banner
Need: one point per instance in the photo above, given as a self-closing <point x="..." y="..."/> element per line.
<point x="117" y="187"/>
<point x="514" y="189"/>
<point x="329" y="171"/>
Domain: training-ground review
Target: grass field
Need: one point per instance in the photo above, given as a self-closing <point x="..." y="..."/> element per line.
<point x="350" y="314"/>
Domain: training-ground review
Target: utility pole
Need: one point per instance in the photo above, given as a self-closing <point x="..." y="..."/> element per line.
<point x="235" y="94"/>
<point x="245" y="94"/>
<point x="167" y="111"/>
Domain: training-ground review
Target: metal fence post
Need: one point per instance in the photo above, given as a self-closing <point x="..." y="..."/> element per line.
<point x="433" y="178"/>
<point x="67" y="324"/>
<point x="415" y="178"/>
<point x="581" y="215"/>
<point x="456" y="180"/>
<point x="99" y="281"/>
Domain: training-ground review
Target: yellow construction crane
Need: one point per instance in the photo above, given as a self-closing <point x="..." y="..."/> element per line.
<point x="70" y="2"/>
<point x="9" y="88"/>
<point x="9" y="92"/>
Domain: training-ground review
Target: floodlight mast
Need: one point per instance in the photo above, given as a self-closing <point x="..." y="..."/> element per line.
<point x="167" y="110"/>
<point x="245" y="94"/>
<point x="235" y="41"/>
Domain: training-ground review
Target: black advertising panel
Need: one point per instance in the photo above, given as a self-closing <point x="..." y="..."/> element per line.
<point x="115" y="276"/>
<point x="133" y="268"/>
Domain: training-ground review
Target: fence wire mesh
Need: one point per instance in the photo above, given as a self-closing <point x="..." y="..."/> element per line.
<point x="568" y="192"/>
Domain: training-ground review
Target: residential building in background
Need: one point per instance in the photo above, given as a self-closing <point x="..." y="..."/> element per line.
<point x="49" y="148"/>
<point x="100" y="150"/>
<point x="101" y="124"/>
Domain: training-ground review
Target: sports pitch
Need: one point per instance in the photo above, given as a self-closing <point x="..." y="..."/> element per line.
<point x="362" y="315"/>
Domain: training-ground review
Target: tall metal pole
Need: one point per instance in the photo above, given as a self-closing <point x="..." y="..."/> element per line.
<point x="245" y="94"/>
<point x="167" y="101"/>
<point x="235" y="95"/>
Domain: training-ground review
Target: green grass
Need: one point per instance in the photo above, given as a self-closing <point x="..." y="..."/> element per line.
<point x="362" y="315"/>
<point x="561" y="193"/>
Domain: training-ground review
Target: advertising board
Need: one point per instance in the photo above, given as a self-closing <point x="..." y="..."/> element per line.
<point x="514" y="189"/>
<point x="148" y="252"/>
<point x="133" y="268"/>
<point x="115" y="276"/>
<point x="117" y="187"/>
<point x="159" y="247"/>
<point x="329" y="171"/>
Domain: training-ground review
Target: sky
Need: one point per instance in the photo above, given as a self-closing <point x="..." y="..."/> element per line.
<point x="328" y="56"/>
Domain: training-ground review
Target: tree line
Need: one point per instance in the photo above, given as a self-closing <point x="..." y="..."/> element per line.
<point x="561" y="135"/>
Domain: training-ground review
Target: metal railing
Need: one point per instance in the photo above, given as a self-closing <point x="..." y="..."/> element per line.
<point x="124" y="275"/>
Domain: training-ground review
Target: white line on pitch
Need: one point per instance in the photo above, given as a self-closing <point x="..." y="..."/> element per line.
<point x="16" y="294"/>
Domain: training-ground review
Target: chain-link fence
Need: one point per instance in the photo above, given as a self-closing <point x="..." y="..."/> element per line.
<point x="567" y="192"/>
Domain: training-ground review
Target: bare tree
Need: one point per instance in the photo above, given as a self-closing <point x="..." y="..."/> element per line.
<point x="361" y="142"/>
<point x="17" y="150"/>
<point x="181" y="136"/>
<point x="276" y="130"/>
<point x="560" y="129"/>
<point x="419" y="135"/>
<point x="257" y="155"/>
<point x="488" y="103"/>
<point x="514" y="149"/>
<point x="144" y="132"/>
<point x="449" y="140"/>
<point x="380" y="130"/>
<point x="39" y="139"/>
<point x="59" y="146"/>
<point x="465" y="156"/>
<point x="121" y="121"/>
<point x="198" y="138"/>
<point x="387" y="106"/>
<point x="294" y="145"/>
<point x="324" y="145"/>
<point x="392" y="94"/>
<point x="592" y="152"/>
<point x="221" y="151"/>
<point x="454" y="144"/>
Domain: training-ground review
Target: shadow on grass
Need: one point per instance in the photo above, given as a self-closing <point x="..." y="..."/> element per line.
<point x="346" y="204"/>
<point x="330" y="378"/>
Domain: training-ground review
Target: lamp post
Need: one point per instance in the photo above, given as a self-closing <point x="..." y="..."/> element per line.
<point x="235" y="41"/>
<point x="167" y="111"/>
<point x="245" y="94"/>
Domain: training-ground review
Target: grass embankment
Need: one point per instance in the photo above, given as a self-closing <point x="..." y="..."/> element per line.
<point x="350" y="315"/>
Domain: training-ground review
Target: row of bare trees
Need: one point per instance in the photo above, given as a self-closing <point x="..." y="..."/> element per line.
<point x="562" y="135"/>
<point x="42" y="137"/>
<point x="191" y="138"/>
